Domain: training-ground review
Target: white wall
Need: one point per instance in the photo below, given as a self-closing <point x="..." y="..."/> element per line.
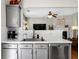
<point x="71" y="20"/>
<point x="3" y="21"/>
<point x="50" y="3"/>
<point x="75" y="19"/>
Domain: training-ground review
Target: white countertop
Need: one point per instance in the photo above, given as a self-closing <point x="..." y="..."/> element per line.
<point x="48" y="41"/>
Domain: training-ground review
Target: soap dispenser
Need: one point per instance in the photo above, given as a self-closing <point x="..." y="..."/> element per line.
<point x="42" y="39"/>
<point x="37" y="36"/>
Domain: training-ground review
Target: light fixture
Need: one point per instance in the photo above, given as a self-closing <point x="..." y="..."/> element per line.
<point x="74" y="28"/>
<point x="50" y="15"/>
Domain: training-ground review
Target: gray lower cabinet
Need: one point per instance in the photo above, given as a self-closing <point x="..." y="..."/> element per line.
<point x="40" y="51"/>
<point x="26" y="53"/>
<point x="33" y="51"/>
<point x="9" y="51"/>
<point x="41" y="54"/>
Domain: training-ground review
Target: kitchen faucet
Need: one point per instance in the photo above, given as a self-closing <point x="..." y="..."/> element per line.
<point x="33" y="33"/>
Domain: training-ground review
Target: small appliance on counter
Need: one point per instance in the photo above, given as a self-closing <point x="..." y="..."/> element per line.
<point x="64" y="34"/>
<point x="12" y="34"/>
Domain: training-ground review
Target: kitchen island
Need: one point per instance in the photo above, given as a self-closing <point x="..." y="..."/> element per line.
<point x="55" y="49"/>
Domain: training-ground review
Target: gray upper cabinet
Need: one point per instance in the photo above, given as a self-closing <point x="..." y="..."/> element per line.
<point x="12" y="15"/>
<point x="42" y="54"/>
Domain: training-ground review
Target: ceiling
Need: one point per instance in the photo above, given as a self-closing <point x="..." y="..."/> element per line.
<point x="49" y="3"/>
<point x="43" y="12"/>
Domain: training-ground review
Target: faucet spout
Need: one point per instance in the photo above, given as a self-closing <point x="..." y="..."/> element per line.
<point x="33" y="33"/>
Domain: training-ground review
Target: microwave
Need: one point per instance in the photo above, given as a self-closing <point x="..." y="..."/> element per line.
<point x="39" y="26"/>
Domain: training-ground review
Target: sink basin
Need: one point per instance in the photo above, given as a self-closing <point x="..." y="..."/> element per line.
<point x="31" y="39"/>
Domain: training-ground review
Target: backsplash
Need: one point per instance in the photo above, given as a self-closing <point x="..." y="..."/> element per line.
<point x="46" y="34"/>
<point x="51" y="34"/>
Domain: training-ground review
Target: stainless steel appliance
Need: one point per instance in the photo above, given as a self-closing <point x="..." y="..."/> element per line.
<point x="12" y="34"/>
<point x="39" y="26"/>
<point x="59" y="51"/>
<point x="64" y="35"/>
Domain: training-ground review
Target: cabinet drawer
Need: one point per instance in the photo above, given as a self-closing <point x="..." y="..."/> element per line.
<point x="40" y="46"/>
<point x="7" y="45"/>
<point x="25" y="45"/>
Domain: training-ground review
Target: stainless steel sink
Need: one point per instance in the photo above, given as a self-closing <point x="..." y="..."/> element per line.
<point x="32" y="39"/>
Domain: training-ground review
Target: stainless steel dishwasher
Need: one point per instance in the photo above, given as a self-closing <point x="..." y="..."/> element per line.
<point x="9" y="51"/>
<point x="60" y="51"/>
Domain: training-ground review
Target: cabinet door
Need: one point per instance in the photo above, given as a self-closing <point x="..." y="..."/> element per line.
<point x="26" y="53"/>
<point x="41" y="53"/>
<point x="12" y="16"/>
<point x="9" y="53"/>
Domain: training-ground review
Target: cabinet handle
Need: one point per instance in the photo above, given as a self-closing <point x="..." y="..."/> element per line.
<point x="9" y="45"/>
<point x="26" y="46"/>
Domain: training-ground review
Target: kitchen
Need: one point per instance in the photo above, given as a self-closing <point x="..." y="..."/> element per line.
<point x="33" y="30"/>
